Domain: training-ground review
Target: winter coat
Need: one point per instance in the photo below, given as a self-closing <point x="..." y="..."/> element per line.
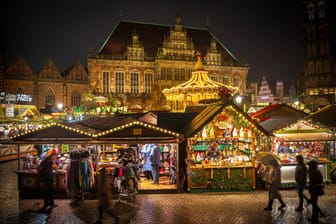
<point x="155" y="155"/>
<point x="315" y="182"/>
<point x="301" y="175"/>
<point x="45" y="171"/>
<point x="147" y="166"/>
<point x="274" y="181"/>
<point x="104" y="191"/>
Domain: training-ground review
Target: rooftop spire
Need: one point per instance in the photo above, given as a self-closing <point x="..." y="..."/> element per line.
<point x="198" y="65"/>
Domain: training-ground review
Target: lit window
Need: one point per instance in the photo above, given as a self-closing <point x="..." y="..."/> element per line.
<point x="119" y="82"/>
<point x="148" y="83"/>
<point x="75" y="99"/>
<point x="106" y="82"/>
<point x="134" y="83"/>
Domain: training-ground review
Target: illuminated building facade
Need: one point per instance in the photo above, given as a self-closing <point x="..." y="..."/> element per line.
<point x="48" y="87"/>
<point x="318" y="83"/>
<point x="139" y="60"/>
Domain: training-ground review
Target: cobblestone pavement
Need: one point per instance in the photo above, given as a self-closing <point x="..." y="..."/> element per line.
<point x="193" y="208"/>
<point x="186" y="208"/>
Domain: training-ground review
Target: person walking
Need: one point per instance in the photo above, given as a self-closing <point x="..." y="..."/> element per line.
<point x="315" y="189"/>
<point x="301" y="180"/>
<point x="104" y="198"/>
<point x="274" y="183"/>
<point x="147" y="166"/>
<point x="46" y="176"/>
<point x="155" y="159"/>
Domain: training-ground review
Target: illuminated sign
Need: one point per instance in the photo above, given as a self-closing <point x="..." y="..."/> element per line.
<point x="23" y="98"/>
<point x="9" y="110"/>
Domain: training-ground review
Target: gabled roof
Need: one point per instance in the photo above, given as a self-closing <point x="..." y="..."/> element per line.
<point x="19" y="68"/>
<point x="209" y="113"/>
<point x="326" y="116"/>
<point x="152" y="36"/>
<point x="53" y="133"/>
<point x="49" y="71"/>
<point x="71" y="72"/>
<point x="278" y="122"/>
<point x="175" y="121"/>
<point x="104" y="123"/>
<point x="277" y="110"/>
<point x="303" y="130"/>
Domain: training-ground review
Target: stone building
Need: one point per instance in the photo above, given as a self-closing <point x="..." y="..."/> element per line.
<point x="318" y="81"/>
<point x="48" y="86"/>
<point x="139" y="60"/>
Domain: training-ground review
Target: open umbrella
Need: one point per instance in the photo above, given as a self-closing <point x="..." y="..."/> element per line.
<point x="268" y="158"/>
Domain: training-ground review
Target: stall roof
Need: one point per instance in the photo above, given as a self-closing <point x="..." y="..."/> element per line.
<point x="304" y="130"/>
<point x="278" y="122"/>
<point x="326" y="116"/>
<point x="210" y="112"/>
<point x="50" y="133"/>
<point x="277" y="110"/>
<point x="97" y="129"/>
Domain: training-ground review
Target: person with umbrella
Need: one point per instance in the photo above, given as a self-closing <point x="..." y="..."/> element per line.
<point x="273" y="179"/>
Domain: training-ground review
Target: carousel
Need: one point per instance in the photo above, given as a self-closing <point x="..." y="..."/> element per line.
<point x="198" y="88"/>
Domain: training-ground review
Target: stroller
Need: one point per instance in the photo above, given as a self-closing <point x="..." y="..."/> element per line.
<point x="126" y="181"/>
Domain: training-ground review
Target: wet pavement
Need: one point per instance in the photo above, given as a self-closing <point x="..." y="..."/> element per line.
<point x="246" y="207"/>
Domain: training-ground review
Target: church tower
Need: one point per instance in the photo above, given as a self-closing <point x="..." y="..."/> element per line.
<point x="319" y="77"/>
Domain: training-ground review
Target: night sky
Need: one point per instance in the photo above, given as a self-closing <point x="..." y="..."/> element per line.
<point x="267" y="34"/>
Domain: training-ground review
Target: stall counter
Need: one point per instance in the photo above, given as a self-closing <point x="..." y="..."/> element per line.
<point x="221" y="178"/>
<point x="288" y="173"/>
<point x="29" y="186"/>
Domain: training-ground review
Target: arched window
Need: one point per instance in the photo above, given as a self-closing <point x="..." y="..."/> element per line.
<point x="50" y="97"/>
<point x="75" y="99"/>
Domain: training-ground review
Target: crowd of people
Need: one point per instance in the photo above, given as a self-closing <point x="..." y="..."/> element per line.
<point x="273" y="181"/>
<point x="315" y="186"/>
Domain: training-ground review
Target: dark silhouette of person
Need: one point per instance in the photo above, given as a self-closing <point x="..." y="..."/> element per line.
<point x="46" y="177"/>
<point x="301" y="180"/>
<point x="315" y="189"/>
<point x="104" y="195"/>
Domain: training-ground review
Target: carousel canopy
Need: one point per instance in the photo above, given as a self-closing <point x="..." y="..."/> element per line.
<point x="199" y="84"/>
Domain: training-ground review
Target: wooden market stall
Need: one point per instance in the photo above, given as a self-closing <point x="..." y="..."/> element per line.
<point x="53" y="135"/>
<point x="311" y="140"/>
<point x="222" y="141"/>
<point x="104" y="138"/>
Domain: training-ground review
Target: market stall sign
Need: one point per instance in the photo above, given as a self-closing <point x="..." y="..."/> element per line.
<point x="137" y="131"/>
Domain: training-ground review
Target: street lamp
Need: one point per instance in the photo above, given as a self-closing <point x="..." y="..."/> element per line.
<point x="60" y="106"/>
<point x="296" y="103"/>
<point x="239" y="99"/>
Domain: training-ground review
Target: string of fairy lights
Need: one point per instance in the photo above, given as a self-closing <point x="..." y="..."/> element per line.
<point x="95" y="133"/>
